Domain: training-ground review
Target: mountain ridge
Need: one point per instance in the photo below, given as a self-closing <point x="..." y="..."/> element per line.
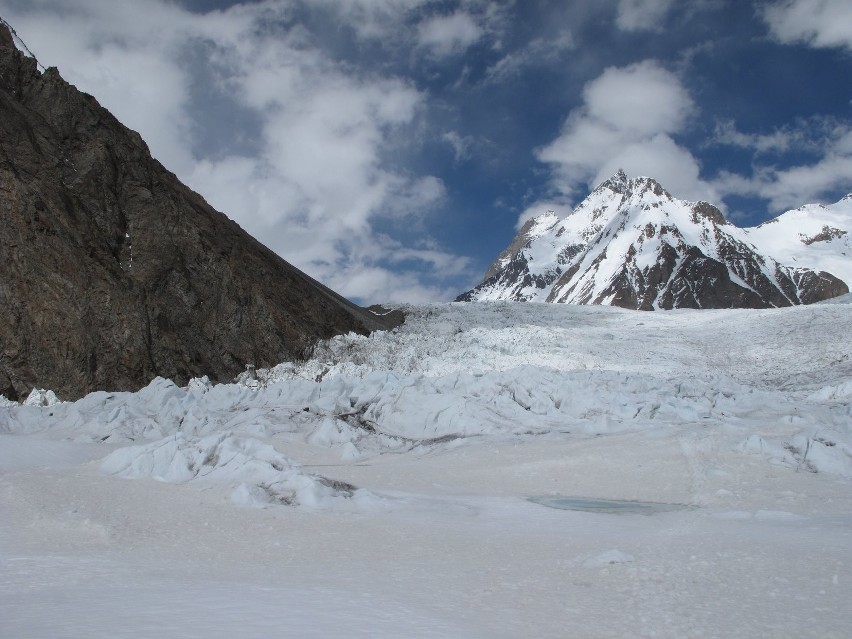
<point x="630" y="243"/>
<point x="113" y="272"/>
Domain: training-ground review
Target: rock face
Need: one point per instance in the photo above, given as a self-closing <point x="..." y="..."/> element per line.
<point x="112" y="272"/>
<point x="631" y="244"/>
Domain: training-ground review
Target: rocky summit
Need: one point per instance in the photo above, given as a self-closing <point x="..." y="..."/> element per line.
<point x="112" y="272"/>
<point x="631" y="244"/>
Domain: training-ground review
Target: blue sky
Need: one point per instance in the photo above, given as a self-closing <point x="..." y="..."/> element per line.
<point x="391" y="147"/>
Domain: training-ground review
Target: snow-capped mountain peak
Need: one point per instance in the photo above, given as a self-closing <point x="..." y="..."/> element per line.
<point x="630" y="243"/>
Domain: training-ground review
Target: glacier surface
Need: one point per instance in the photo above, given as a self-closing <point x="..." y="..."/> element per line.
<point x="384" y="486"/>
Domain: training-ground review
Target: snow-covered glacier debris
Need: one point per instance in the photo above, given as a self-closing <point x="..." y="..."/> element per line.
<point x="259" y="474"/>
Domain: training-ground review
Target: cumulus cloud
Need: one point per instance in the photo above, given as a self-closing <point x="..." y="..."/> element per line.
<point x="627" y="120"/>
<point x="641" y="15"/>
<point x="630" y="119"/>
<point x="319" y="183"/>
<point x="818" y="23"/>
<point x="640" y="99"/>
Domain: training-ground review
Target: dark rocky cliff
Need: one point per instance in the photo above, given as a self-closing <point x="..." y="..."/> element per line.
<point x="113" y="272"/>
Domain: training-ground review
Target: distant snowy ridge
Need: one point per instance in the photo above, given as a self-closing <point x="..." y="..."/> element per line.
<point x="631" y="244"/>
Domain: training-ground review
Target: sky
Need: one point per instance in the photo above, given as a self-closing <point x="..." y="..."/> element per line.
<point x="391" y="148"/>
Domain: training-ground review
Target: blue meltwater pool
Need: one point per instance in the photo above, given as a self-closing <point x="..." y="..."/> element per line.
<point x="608" y="506"/>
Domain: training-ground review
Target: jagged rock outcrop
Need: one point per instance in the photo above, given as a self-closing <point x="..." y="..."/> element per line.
<point x="631" y="244"/>
<point x="113" y="272"/>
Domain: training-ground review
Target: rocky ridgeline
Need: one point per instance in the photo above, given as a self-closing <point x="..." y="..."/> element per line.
<point x="112" y="272"/>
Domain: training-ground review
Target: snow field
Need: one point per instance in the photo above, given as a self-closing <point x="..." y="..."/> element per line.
<point x="382" y="488"/>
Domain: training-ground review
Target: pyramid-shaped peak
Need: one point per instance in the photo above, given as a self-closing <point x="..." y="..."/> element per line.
<point x="632" y="244"/>
<point x="617" y="183"/>
<point x="620" y="183"/>
<point x="643" y="184"/>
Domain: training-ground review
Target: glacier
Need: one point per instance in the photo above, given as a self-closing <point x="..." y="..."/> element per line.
<point x="386" y="486"/>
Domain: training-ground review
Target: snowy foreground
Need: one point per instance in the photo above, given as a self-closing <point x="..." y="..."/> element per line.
<point x="385" y="488"/>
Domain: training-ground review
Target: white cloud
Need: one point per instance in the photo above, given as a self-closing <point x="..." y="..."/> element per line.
<point x="818" y="23"/>
<point x="660" y="157"/>
<point x="374" y="283"/>
<point x="726" y="133"/>
<point x="372" y="19"/>
<point x="460" y="144"/>
<point x="814" y="135"/>
<point x="627" y="120"/>
<point x="641" y="99"/>
<point x="536" y="52"/>
<point x="826" y="138"/>
<point x="791" y="187"/>
<point x="641" y="15"/>
<point x="444" y="36"/>
<point x="321" y="182"/>
<point x="439" y="29"/>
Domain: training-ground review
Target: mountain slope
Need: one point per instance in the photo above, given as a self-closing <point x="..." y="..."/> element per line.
<point x="112" y="272"/>
<point x="813" y="236"/>
<point x="631" y="244"/>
